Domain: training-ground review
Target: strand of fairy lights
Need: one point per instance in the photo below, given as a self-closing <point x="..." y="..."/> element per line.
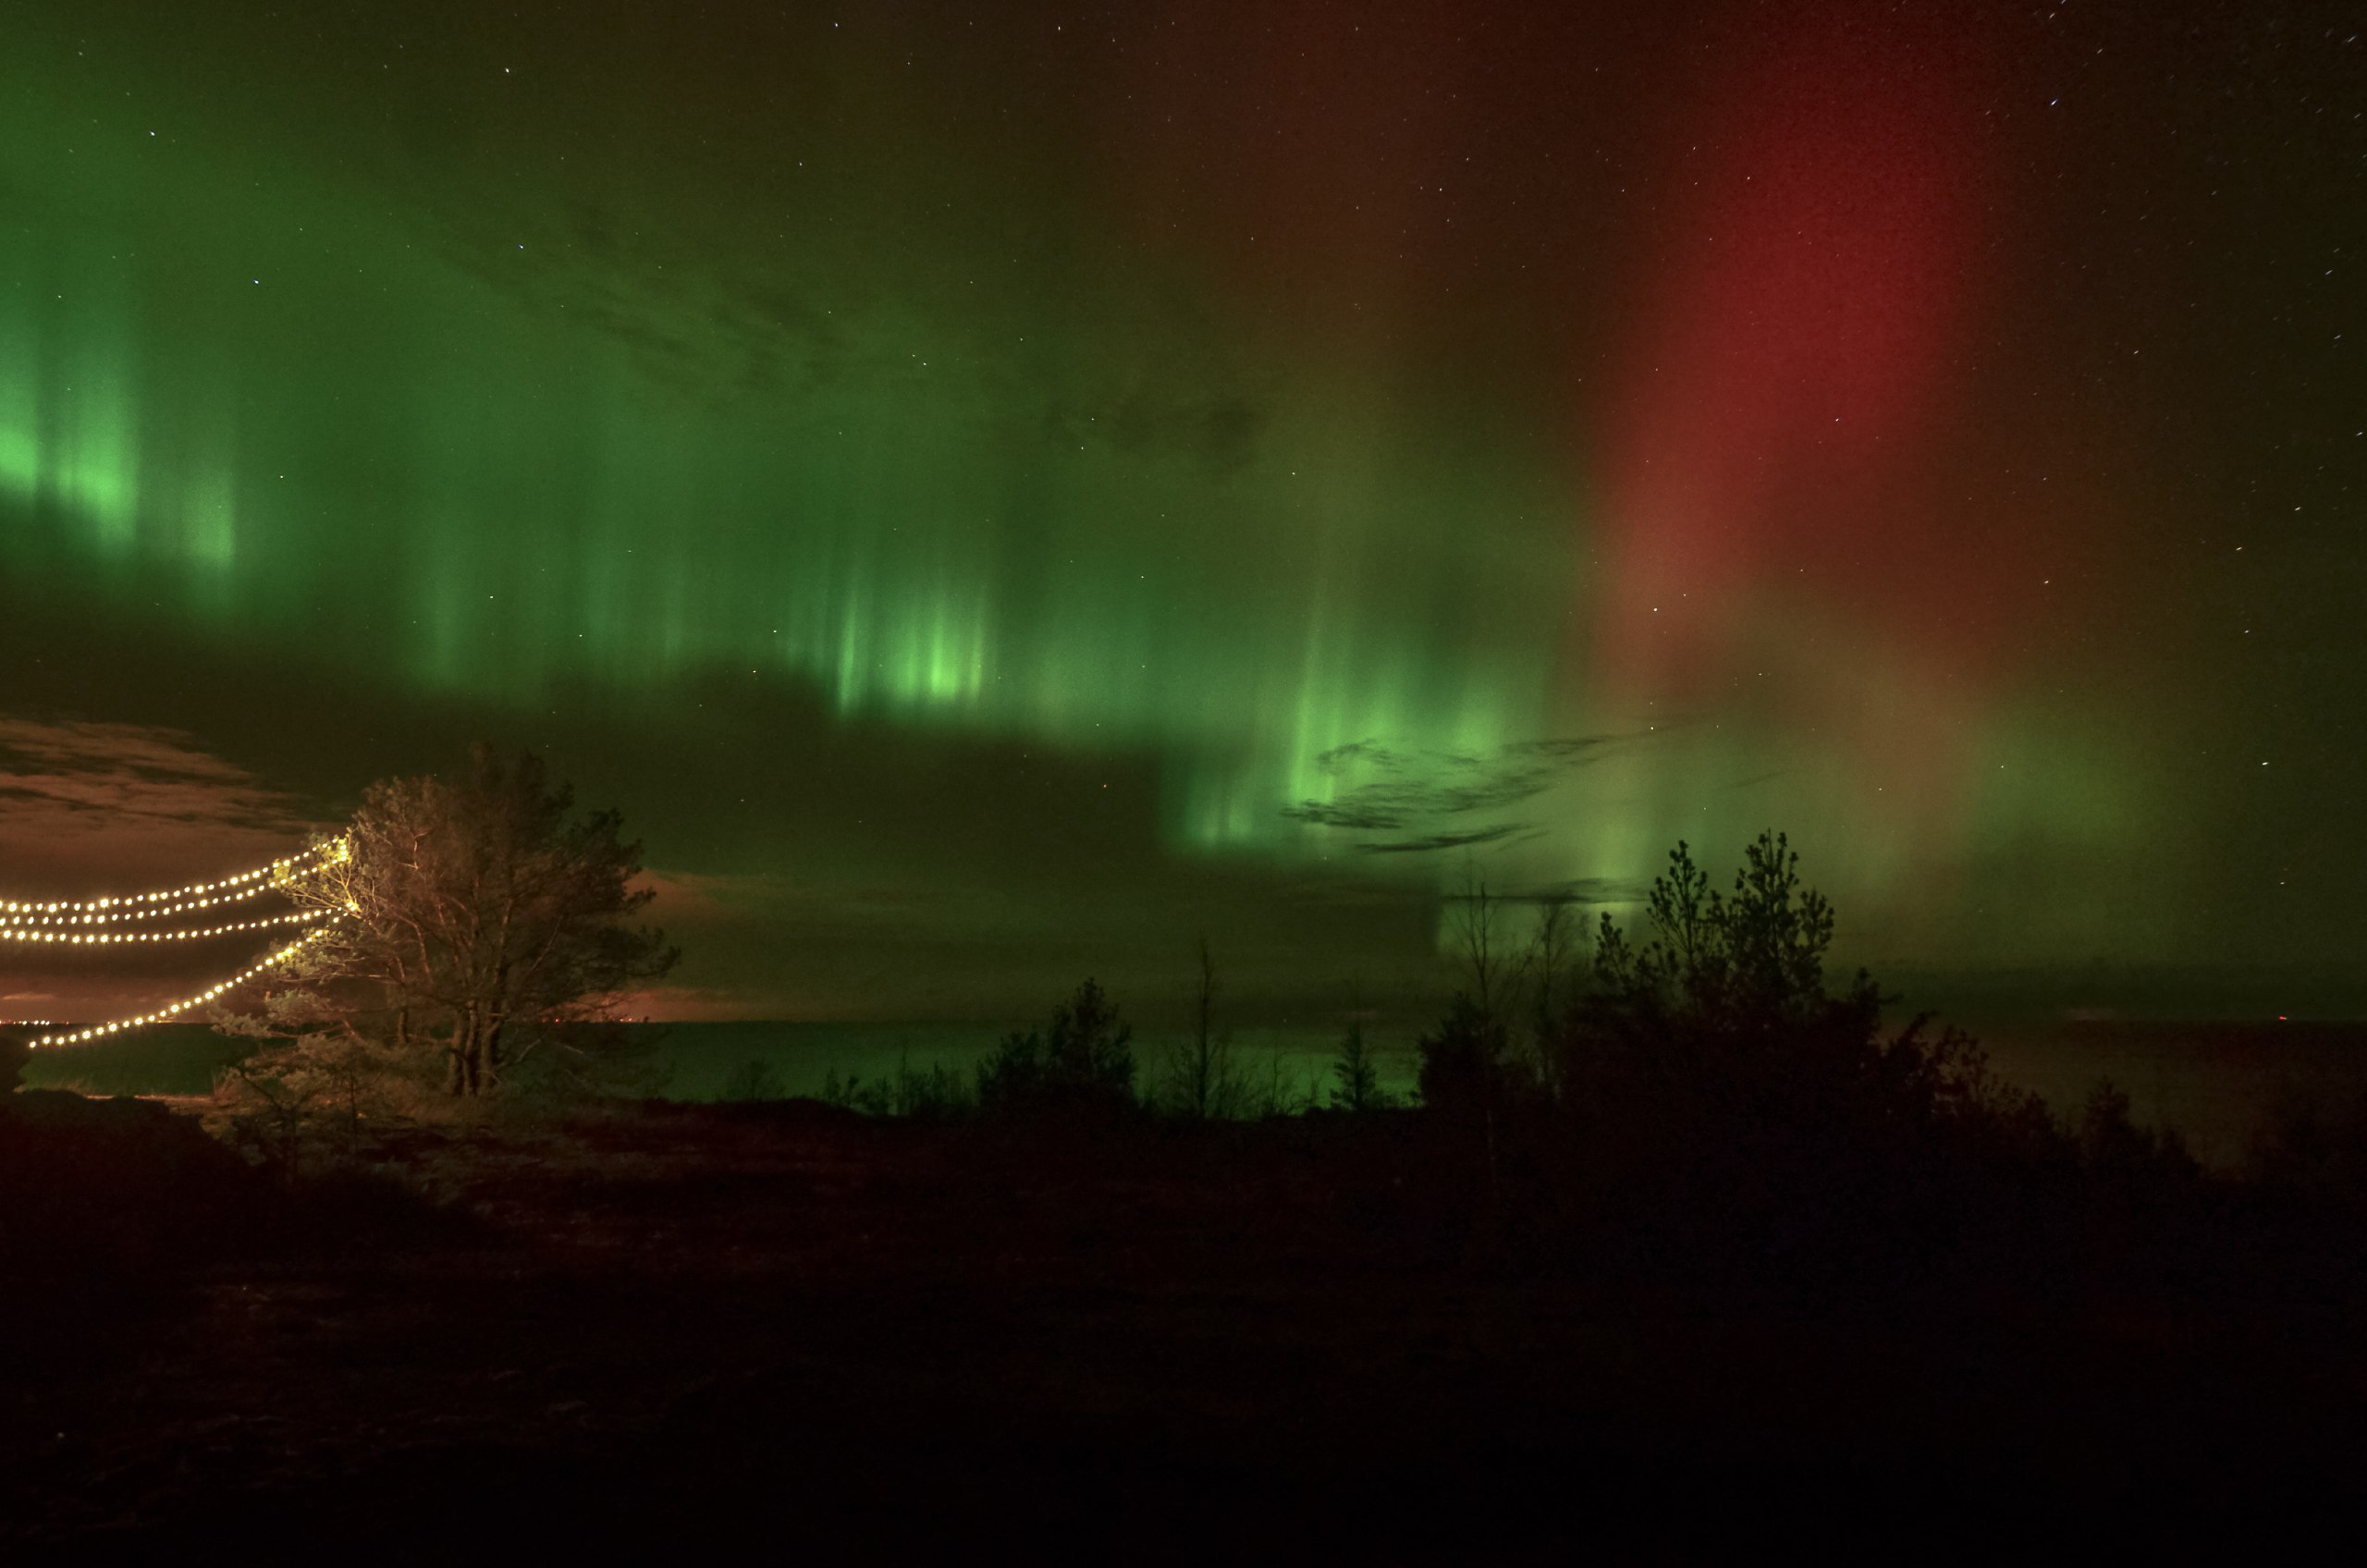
<point x="93" y="938"/>
<point x="99" y="1031"/>
<point x="146" y="911"/>
<point x="150" y="906"/>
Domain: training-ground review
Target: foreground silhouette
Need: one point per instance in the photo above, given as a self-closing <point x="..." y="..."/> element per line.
<point x="1688" y="1255"/>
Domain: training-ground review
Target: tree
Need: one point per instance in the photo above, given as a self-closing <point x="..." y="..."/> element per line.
<point x="1468" y="1062"/>
<point x="1359" y="1075"/>
<point x="471" y="919"/>
<point x="1722" y="1028"/>
<point x="1202" y="1081"/>
<point x="1084" y="1060"/>
<point x="1467" y="1067"/>
<point x="1491" y="970"/>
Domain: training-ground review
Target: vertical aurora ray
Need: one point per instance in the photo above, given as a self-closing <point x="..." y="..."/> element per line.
<point x="21" y="384"/>
<point x="1842" y="640"/>
<point x="1277" y="437"/>
<point x="500" y="476"/>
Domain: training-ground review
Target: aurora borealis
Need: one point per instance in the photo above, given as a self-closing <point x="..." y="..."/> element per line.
<point x="994" y="492"/>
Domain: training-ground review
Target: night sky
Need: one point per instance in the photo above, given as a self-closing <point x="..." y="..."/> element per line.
<point x="995" y="491"/>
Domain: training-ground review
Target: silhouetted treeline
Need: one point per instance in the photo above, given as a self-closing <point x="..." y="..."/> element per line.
<point x="1699" y="1095"/>
<point x="1702" y="1099"/>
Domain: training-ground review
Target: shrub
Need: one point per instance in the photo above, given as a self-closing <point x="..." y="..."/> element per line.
<point x="304" y="1104"/>
<point x="934" y="1092"/>
<point x="590" y="1059"/>
<point x="752" y="1080"/>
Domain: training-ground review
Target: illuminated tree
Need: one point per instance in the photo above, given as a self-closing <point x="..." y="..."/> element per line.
<point x="473" y="919"/>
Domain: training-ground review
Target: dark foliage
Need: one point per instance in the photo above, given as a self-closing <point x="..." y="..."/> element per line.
<point x="1201" y="1079"/>
<point x="1083" y="1062"/>
<point x="2311" y="1151"/>
<point x="1705" y="1101"/>
<point x="752" y="1080"/>
<point x="1466" y="1063"/>
<point x="1356" y="1085"/>
<point x="932" y="1093"/>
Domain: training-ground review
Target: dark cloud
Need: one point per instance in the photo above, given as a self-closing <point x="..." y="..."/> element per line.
<point x="1420" y="794"/>
<point x="83" y="804"/>
<point x="129" y="779"/>
<point x="1440" y="841"/>
<point x="1578" y="890"/>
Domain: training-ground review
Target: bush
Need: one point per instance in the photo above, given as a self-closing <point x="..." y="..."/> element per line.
<point x="304" y="1105"/>
<point x="568" y="1064"/>
<point x="752" y="1080"/>
<point x="1082" y="1062"/>
<point x="934" y="1092"/>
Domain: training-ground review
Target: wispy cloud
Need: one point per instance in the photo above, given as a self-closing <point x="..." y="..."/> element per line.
<point x="92" y="810"/>
<point x="1416" y="801"/>
<point x="87" y="809"/>
<point x="1440" y="841"/>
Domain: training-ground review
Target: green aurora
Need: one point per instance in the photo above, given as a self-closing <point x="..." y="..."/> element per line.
<point x="890" y="396"/>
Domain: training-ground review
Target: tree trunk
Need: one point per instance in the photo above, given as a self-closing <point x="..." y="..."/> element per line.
<point x="463" y="1080"/>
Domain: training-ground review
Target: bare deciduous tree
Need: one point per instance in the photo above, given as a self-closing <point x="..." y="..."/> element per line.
<point x="1481" y="943"/>
<point x="1202" y="1081"/>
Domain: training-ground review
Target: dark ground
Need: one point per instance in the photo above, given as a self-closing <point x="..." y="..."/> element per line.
<point x="683" y="1329"/>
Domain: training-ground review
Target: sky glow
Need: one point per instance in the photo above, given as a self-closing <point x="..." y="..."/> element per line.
<point x="969" y="487"/>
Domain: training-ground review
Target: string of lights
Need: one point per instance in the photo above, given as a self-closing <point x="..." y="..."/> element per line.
<point x="171" y="900"/>
<point x="99" y="1031"/>
<point x="145" y="911"/>
<point x="79" y="938"/>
